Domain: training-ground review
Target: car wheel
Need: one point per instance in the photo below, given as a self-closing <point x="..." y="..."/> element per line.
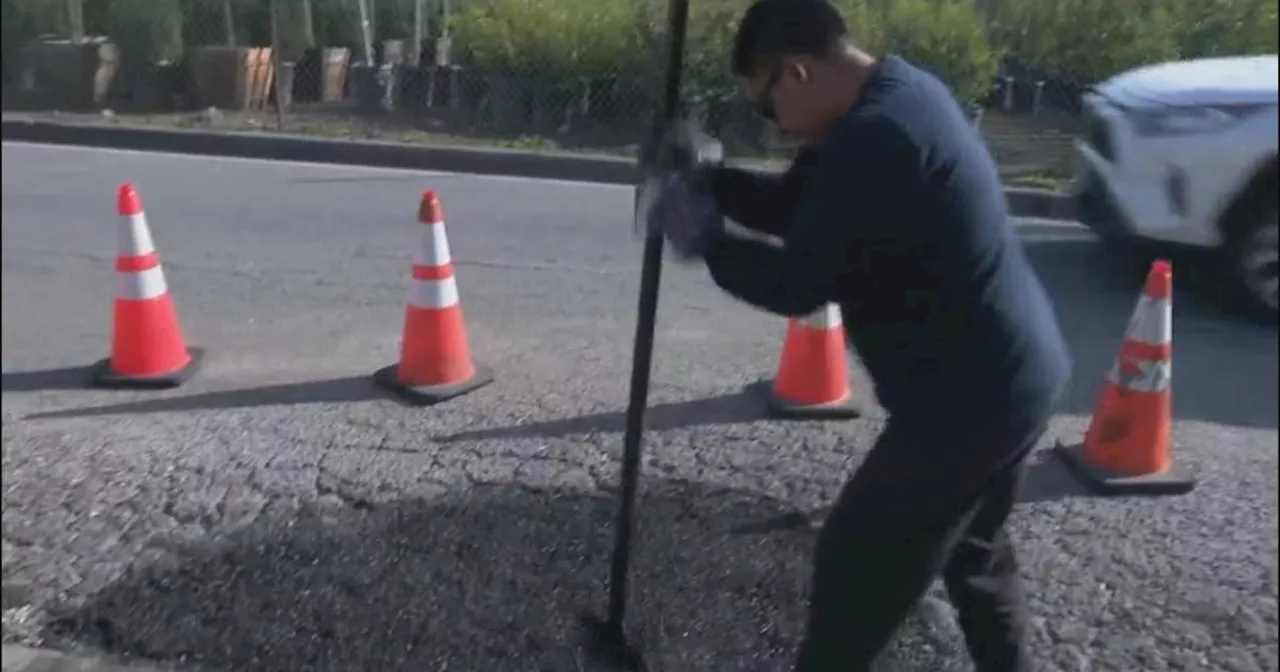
<point x="1253" y="260"/>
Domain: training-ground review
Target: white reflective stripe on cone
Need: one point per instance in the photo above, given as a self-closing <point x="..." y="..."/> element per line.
<point x="826" y="317"/>
<point x="434" y="294"/>
<point x="1142" y="375"/>
<point x="135" y="236"/>
<point x="141" y="285"/>
<point x="434" y="248"/>
<point x="1152" y="322"/>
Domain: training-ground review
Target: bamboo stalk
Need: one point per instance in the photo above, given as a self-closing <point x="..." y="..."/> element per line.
<point x="276" y="63"/>
<point x="229" y="22"/>
<point x="75" y="20"/>
<point x="415" y="58"/>
<point x="365" y="35"/>
<point x="308" y="25"/>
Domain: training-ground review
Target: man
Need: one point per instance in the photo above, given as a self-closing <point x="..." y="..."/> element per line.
<point x="895" y="212"/>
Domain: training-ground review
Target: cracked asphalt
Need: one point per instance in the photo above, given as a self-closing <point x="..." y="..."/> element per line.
<point x="278" y="514"/>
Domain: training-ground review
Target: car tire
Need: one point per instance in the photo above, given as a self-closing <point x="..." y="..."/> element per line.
<point x="1252" y="260"/>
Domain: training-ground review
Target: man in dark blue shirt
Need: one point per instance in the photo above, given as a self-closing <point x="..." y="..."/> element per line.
<point x="894" y="210"/>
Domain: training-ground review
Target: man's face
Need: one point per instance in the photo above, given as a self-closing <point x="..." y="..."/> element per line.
<point x="783" y="92"/>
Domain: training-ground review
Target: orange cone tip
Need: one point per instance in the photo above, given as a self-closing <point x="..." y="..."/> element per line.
<point x="430" y="212"/>
<point x="1160" y="280"/>
<point x="127" y="201"/>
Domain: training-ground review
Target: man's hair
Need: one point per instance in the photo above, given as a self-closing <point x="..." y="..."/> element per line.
<point x="773" y="29"/>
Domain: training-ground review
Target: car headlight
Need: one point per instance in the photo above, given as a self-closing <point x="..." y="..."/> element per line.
<point x="1180" y="120"/>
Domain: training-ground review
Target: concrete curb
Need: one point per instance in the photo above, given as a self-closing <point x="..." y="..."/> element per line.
<point x="573" y="167"/>
<point x="27" y="659"/>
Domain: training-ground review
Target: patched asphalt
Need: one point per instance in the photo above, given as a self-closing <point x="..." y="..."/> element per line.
<point x="277" y="513"/>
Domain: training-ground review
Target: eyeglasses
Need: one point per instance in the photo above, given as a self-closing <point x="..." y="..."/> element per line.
<point x="764" y="100"/>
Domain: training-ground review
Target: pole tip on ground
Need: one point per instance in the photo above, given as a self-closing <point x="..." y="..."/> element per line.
<point x="1107" y="483"/>
<point x="605" y="643"/>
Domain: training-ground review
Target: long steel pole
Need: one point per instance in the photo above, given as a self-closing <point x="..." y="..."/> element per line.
<point x="646" y="318"/>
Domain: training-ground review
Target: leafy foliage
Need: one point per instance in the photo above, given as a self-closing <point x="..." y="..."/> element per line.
<point x="947" y="38"/>
<point x="575" y="37"/>
<point x="147" y="30"/>
<point x="962" y="41"/>
<point x="1086" y="40"/>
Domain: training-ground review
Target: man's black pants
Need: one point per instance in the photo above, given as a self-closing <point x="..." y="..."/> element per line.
<point x="922" y="504"/>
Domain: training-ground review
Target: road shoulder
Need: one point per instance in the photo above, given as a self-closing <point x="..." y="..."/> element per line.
<point x="1023" y="202"/>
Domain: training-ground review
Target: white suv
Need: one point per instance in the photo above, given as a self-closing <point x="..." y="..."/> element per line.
<point x="1184" y="154"/>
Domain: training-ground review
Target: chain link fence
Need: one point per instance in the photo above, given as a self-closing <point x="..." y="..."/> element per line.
<point x="569" y="74"/>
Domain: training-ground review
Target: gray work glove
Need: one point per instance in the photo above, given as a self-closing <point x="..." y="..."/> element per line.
<point x="684" y="215"/>
<point x="683" y="146"/>
<point x="677" y="201"/>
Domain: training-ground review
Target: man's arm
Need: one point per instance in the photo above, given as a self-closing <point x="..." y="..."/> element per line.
<point x="759" y="200"/>
<point x="794" y="279"/>
<point x="805" y="272"/>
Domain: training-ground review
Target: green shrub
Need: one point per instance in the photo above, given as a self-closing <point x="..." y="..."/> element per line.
<point x="147" y="31"/>
<point x="33" y="18"/>
<point x="1225" y="27"/>
<point x="946" y="37"/>
<point x="1086" y="40"/>
<point x="602" y="36"/>
<point x="498" y="34"/>
<point x="17" y="25"/>
<point x="393" y="19"/>
<point x="26" y="20"/>
<point x="711" y="27"/>
<point x="337" y="24"/>
<point x="293" y="35"/>
<point x="572" y="38"/>
<point x="866" y="21"/>
<point x="203" y="23"/>
<point x="1082" y="40"/>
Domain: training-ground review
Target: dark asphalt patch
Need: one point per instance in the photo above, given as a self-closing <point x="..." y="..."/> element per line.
<point x="476" y="583"/>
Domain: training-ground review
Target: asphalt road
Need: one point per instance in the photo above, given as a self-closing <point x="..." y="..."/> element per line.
<point x="276" y="514"/>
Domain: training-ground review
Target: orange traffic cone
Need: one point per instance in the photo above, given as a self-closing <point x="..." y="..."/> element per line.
<point x="1127" y="447"/>
<point x="813" y="376"/>
<point x="435" y="359"/>
<point x="148" y="349"/>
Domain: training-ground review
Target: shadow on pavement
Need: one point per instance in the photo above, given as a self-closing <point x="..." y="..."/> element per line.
<point x="1046" y="480"/>
<point x="70" y="378"/>
<point x="335" y="390"/>
<point x="477" y="583"/>
<point x="1225" y="369"/>
<point x="726" y="409"/>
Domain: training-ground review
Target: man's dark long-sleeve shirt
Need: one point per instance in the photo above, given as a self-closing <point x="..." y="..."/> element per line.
<point x="903" y="223"/>
<point x="763" y="201"/>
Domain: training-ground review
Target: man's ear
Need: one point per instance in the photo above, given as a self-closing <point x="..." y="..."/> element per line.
<point x="799" y="71"/>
